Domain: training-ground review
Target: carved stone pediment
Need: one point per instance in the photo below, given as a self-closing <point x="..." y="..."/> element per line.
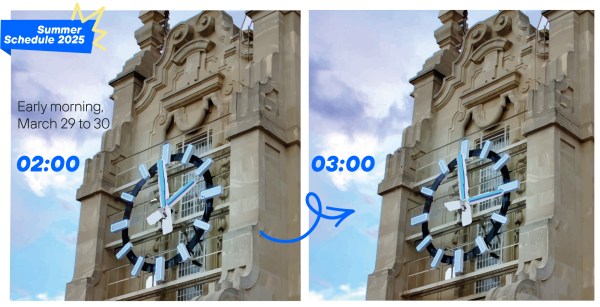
<point x="490" y="71"/>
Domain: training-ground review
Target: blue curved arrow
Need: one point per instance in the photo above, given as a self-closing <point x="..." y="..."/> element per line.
<point x="319" y="212"/>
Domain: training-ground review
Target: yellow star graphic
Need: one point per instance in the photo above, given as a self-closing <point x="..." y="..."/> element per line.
<point x="98" y="12"/>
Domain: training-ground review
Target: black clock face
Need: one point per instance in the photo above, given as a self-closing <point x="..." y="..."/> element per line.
<point x="465" y="203"/>
<point x="163" y="214"/>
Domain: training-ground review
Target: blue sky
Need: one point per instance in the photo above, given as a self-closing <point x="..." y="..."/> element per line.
<point x="359" y="66"/>
<point x="44" y="212"/>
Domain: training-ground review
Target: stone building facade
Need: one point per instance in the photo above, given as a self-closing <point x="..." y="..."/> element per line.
<point x="235" y="96"/>
<point x="530" y="92"/>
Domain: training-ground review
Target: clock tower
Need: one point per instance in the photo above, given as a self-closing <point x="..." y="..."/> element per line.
<point x="526" y="94"/>
<point x="217" y="93"/>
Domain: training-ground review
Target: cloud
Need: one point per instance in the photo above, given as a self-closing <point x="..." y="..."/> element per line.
<point x="41" y="297"/>
<point x="343" y="292"/>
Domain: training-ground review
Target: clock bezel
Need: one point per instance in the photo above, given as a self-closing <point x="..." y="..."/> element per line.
<point x="492" y="233"/>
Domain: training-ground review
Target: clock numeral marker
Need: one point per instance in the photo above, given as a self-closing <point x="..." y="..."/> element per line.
<point x="458" y="261"/>
<point x="159" y="270"/>
<point x="427" y="191"/>
<point x="419" y="219"/>
<point x="212" y="192"/>
<point x="127" y="197"/>
<point x="183" y="252"/>
<point x="501" y="162"/>
<point x="464" y="148"/>
<point x="166" y="153"/>
<point x="204" y="167"/>
<point x="443" y="167"/>
<point x="124" y="250"/>
<point x="485" y="150"/>
<point x="437" y="259"/>
<point x="509" y="187"/>
<point x="481" y="245"/>
<point x="120" y="225"/>
<point x="499" y="218"/>
<point x="138" y="266"/>
<point x="144" y="171"/>
<point x="201" y="224"/>
<point x="424" y="243"/>
<point x="187" y="155"/>
<point x="154" y="217"/>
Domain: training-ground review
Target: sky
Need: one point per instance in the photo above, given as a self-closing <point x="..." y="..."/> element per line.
<point x="44" y="212"/>
<point x="359" y="66"/>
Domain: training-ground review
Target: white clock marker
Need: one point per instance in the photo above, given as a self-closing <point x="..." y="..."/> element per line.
<point x="183" y="252"/>
<point x="499" y="218"/>
<point x="212" y="192"/>
<point x="458" y="261"/>
<point x="120" y="225"/>
<point x="485" y="150"/>
<point x="419" y="219"/>
<point x="166" y="153"/>
<point x="437" y="259"/>
<point x="501" y="162"/>
<point x="124" y="250"/>
<point x="464" y="148"/>
<point x="204" y="167"/>
<point x="159" y="269"/>
<point x="443" y="167"/>
<point x="509" y="187"/>
<point x="187" y="155"/>
<point x="201" y="224"/>
<point x="128" y="197"/>
<point x="144" y="171"/>
<point x="138" y="266"/>
<point x="424" y="243"/>
<point x="427" y="191"/>
<point x="481" y="244"/>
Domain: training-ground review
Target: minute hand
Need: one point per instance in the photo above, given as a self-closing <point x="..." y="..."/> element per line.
<point x="463" y="184"/>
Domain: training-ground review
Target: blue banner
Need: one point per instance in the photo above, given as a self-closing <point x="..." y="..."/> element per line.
<point x="47" y="35"/>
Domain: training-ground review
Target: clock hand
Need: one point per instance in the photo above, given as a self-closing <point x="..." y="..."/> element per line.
<point x="160" y="213"/>
<point x="180" y="193"/>
<point x="167" y="222"/>
<point x="502" y="189"/>
<point x="463" y="183"/>
<point x="163" y="185"/>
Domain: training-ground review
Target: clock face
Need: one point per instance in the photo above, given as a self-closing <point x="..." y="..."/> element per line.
<point x="163" y="214"/>
<point x="465" y="203"/>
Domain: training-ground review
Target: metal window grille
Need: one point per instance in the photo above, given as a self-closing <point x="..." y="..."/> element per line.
<point x="191" y="203"/>
<point x="189" y="293"/>
<point x="489" y="181"/>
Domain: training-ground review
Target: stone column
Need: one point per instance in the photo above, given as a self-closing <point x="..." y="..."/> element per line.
<point x="556" y="241"/>
<point x="264" y="134"/>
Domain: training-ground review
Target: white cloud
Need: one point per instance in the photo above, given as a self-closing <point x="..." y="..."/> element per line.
<point x="343" y="292"/>
<point x="42" y="297"/>
<point x="45" y="297"/>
